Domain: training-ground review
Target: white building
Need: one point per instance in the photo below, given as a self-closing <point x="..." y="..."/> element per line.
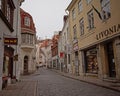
<point x="64" y="47"/>
<point x="28" y="44"/>
<point x="9" y="40"/>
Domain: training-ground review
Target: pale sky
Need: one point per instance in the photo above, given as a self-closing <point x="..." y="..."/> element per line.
<point x="47" y="15"/>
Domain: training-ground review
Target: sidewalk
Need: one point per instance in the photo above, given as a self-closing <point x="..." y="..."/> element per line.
<point x="25" y="87"/>
<point x="93" y="80"/>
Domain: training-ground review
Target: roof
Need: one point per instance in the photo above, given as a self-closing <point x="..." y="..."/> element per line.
<point x="31" y="28"/>
<point x="45" y="43"/>
<point x="71" y="4"/>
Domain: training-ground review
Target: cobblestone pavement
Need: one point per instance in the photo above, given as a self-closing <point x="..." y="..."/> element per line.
<point x="49" y="83"/>
<point x="24" y="88"/>
<point x="52" y="84"/>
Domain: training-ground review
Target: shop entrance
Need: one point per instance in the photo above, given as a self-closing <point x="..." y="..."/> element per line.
<point x="76" y="63"/>
<point x="111" y="61"/>
<point x="26" y="65"/>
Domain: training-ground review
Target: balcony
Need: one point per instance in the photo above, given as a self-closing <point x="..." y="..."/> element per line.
<point x="27" y="47"/>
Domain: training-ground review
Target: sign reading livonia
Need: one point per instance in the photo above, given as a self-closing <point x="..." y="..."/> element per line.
<point x="11" y="41"/>
<point x="108" y="32"/>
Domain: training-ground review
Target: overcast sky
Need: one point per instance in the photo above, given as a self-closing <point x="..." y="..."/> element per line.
<point x="47" y="15"/>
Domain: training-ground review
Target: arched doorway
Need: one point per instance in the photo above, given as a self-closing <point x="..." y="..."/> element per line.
<point x="26" y="65"/>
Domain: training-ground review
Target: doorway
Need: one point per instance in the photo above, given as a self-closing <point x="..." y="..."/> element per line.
<point x="26" y="65"/>
<point x="111" y="60"/>
<point x="76" y="63"/>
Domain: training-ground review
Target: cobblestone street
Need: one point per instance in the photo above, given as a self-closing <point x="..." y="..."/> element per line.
<point x="49" y="83"/>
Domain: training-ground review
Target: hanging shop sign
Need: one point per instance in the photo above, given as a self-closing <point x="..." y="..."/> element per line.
<point x="108" y="32"/>
<point x="11" y="41"/>
<point x="61" y="54"/>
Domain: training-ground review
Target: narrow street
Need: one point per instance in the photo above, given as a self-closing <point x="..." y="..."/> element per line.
<point x="52" y="84"/>
<point x="49" y="83"/>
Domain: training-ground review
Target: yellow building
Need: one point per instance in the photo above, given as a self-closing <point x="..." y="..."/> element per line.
<point x="95" y="30"/>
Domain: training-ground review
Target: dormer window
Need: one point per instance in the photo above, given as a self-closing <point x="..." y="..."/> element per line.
<point x="27" y="21"/>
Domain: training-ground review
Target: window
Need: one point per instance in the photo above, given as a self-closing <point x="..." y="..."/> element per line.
<point x="27" y="21"/>
<point x="75" y="32"/>
<point x="81" y="22"/>
<point x="0" y="4"/>
<point x="23" y="38"/>
<point x="90" y="20"/>
<point x="73" y="13"/>
<point x="27" y="38"/>
<point x="31" y="39"/>
<point x="88" y="1"/>
<point x="8" y="12"/>
<point x="80" y="6"/>
<point x="7" y="8"/>
<point x="91" y="61"/>
<point x="105" y="4"/>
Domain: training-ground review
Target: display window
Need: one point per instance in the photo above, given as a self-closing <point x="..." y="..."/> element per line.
<point x="91" y="61"/>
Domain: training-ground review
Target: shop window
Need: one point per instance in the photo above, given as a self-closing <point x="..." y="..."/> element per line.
<point x="5" y="66"/>
<point x="91" y="61"/>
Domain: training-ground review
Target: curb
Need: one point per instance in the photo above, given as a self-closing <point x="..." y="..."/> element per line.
<point x="88" y="82"/>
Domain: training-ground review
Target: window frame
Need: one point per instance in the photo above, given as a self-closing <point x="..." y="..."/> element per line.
<point x="105" y="4"/>
<point x="81" y="24"/>
<point x="88" y="1"/>
<point x="7" y="12"/>
<point x="73" y="14"/>
<point x="90" y="16"/>
<point x="80" y="6"/>
<point x="27" y="21"/>
<point x="0" y="4"/>
<point x="75" y="32"/>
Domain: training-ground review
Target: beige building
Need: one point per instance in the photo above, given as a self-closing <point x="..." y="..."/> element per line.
<point x="95" y="30"/>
